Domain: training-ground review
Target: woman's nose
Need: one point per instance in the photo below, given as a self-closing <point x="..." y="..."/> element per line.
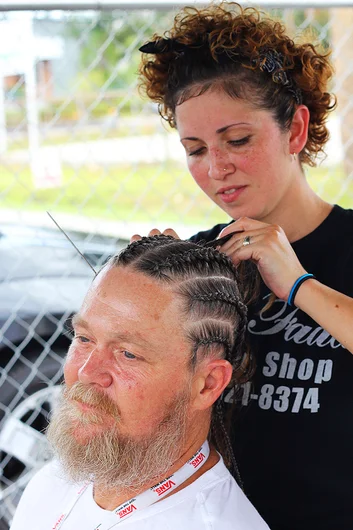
<point x="219" y="166"/>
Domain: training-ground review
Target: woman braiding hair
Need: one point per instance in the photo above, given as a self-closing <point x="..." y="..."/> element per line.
<point x="250" y="106"/>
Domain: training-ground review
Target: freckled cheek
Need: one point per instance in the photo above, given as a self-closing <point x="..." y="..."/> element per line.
<point x="254" y="168"/>
<point x="199" y="172"/>
<point x="249" y="163"/>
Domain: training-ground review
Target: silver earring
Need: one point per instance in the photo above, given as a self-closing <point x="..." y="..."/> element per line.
<point x="294" y="157"/>
<point x="224" y="169"/>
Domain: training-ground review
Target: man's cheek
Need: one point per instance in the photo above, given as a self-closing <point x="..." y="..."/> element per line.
<point x="73" y="363"/>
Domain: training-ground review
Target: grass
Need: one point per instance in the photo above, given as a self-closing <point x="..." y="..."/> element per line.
<point x="332" y="184"/>
<point x="60" y="136"/>
<point x="163" y="193"/>
<point x="151" y="193"/>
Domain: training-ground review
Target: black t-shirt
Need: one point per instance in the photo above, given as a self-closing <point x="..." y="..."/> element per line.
<point x="293" y="435"/>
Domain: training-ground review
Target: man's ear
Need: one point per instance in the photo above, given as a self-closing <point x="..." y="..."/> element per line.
<point x="299" y="129"/>
<point x="210" y="380"/>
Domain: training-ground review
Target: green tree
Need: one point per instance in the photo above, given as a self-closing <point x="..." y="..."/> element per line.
<point x="109" y="44"/>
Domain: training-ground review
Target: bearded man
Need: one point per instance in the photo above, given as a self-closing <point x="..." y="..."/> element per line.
<point x="140" y="426"/>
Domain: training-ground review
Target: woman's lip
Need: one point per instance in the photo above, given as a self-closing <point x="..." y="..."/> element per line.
<point x="233" y="196"/>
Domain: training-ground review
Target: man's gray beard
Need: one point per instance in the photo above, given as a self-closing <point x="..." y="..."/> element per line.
<point x="109" y="458"/>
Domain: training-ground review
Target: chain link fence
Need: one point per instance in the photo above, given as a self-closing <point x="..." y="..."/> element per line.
<point x="77" y="139"/>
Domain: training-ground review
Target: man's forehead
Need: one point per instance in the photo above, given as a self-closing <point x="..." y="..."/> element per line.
<point x="124" y="285"/>
<point x="131" y="303"/>
<point x="78" y="321"/>
<point x="120" y="276"/>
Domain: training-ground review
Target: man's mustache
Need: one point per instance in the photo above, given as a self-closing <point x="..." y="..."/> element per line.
<point x="90" y="396"/>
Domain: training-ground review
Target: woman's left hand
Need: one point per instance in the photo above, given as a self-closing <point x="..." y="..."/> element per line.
<point x="269" y="248"/>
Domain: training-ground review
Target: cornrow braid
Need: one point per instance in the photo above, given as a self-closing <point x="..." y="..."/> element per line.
<point x="208" y="343"/>
<point x="139" y="247"/>
<point x="194" y="259"/>
<point x="219" y="433"/>
<point x="221" y="299"/>
<point x="222" y="296"/>
<point x="219" y="318"/>
<point x="215" y="316"/>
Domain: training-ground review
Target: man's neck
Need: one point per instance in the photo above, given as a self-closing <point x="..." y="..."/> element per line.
<point x="109" y="499"/>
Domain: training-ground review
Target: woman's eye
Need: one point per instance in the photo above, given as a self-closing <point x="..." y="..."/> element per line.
<point x="129" y="355"/>
<point x="241" y="141"/>
<point x="196" y="152"/>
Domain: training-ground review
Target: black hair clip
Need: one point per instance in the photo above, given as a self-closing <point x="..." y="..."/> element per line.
<point x="297" y="94"/>
<point x="272" y="61"/>
<point x="163" y="46"/>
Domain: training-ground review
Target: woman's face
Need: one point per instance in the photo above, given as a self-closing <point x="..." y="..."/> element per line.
<point x="237" y="154"/>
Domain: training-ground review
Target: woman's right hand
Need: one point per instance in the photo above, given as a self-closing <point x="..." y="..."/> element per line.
<point x="268" y="247"/>
<point x="156" y="232"/>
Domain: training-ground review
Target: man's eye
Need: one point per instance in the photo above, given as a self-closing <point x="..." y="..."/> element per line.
<point x="81" y="338"/>
<point x="129" y="355"/>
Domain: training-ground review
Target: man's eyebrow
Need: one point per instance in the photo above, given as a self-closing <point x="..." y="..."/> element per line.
<point x="77" y="320"/>
<point x="134" y="337"/>
<point x="218" y="131"/>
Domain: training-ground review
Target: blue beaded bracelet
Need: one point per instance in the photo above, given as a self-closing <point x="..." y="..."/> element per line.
<point x="297" y="284"/>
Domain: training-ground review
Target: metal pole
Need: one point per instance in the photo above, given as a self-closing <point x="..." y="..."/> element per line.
<point x="48" y="5"/>
<point x="3" y="131"/>
<point x="31" y="102"/>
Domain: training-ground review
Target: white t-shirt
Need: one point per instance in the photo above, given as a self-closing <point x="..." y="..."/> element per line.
<point x="213" y="501"/>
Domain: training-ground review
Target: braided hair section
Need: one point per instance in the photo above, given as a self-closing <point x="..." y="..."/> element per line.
<point x="191" y="260"/>
<point x="215" y="324"/>
<point x="215" y="314"/>
<point x="140" y="247"/>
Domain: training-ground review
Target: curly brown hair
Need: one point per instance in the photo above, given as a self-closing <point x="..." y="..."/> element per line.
<point x="226" y="46"/>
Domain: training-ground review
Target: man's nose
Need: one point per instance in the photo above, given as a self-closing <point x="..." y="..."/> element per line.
<point x="219" y="165"/>
<point x="95" y="370"/>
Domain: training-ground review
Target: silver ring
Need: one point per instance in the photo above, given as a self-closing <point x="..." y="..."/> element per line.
<point x="246" y="241"/>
